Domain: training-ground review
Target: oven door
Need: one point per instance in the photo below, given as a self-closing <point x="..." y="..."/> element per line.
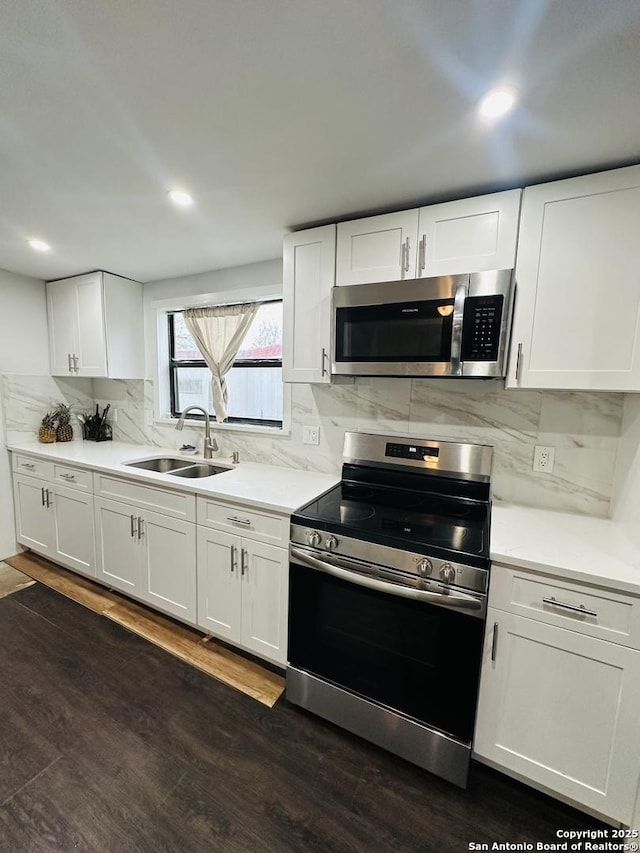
<point x="399" y="328"/>
<point x="404" y="653"/>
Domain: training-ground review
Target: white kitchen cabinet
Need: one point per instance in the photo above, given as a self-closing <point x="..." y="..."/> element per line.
<point x="469" y="235"/>
<point x="243" y="592"/>
<point x="377" y="248"/>
<point x="56" y="522"/>
<point x="308" y="276"/>
<point x="96" y="326"/>
<point x="577" y="313"/>
<point x="558" y="707"/>
<point x="147" y="555"/>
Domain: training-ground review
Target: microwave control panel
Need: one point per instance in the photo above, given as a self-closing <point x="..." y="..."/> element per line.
<point x="481" y="328"/>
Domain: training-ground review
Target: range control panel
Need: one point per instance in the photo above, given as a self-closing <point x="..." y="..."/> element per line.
<point x="412" y="451"/>
<point x="481" y="328"/>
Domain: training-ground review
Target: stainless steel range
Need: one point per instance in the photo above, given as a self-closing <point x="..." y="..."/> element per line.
<point x="388" y="579"/>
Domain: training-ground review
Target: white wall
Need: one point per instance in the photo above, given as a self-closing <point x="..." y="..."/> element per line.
<point x="23" y="350"/>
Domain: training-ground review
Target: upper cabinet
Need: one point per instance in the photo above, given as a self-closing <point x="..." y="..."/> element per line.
<point x="96" y="326"/>
<point x="309" y="271"/>
<point x="470" y="235"/>
<point x="576" y="322"/>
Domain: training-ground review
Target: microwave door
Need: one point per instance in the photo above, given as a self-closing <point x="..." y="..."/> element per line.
<point x="402" y="338"/>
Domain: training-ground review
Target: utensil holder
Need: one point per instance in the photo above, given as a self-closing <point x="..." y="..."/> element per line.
<point x="100" y="432"/>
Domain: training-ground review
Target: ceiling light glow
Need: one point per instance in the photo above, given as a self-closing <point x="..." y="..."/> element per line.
<point x="497" y="102"/>
<point x="181" y="198"/>
<point x="39" y="245"/>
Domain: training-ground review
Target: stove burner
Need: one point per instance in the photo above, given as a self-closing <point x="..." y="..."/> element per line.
<point x="354" y="512"/>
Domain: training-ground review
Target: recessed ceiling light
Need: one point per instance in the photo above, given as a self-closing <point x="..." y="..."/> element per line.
<point x="180" y="198"/>
<point x="497" y="102"/>
<point x="39" y="245"/>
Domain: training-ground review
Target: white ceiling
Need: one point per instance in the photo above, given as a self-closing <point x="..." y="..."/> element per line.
<point x="276" y="114"/>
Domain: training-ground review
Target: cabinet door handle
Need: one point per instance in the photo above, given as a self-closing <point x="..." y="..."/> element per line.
<point x="404" y="257"/>
<point x="519" y="364"/>
<point x="27" y="465"/>
<point x="234" y="558"/>
<point x="75" y="363"/>
<point x="69" y="477"/>
<point x="42" y="492"/>
<point x="140" y="527"/>
<point x="246" y="522"/>
<point x="582" y="610"/>
<point x="134" y="526"/>
<point x="48" y="494"/>
<point x="325" y="372"/>
<point x="69" y="362"/>
<point x="422" y="253"/>
<point x="244" y="561"/>
<point x="494" y="641"/>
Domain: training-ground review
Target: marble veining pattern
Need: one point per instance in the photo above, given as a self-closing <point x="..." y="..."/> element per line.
<point x="584" y="427"/>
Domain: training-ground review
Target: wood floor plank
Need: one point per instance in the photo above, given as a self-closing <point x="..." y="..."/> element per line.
<point x="11" y="580"/>
<point x="185" y="643"/>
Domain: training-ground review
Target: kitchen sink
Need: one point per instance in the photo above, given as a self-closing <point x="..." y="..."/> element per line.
<point x="162" y="465"/>
<point x="200" y="470"/>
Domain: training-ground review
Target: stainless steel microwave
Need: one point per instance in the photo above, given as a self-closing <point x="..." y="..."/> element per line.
<point x="452" y="325"/>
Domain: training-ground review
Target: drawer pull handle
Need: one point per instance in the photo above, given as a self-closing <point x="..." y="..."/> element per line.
<point x="235" y="520"/>
<point x="27" y="465"/>
<point x="494" y="641"/>
<point x="582" y="610"/>
<point x="69" y="477"/>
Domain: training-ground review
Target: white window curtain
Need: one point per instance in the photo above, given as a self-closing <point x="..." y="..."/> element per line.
<point x="218" y="332"/>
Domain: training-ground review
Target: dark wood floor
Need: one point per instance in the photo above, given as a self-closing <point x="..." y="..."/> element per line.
<point x="109" y="744"/>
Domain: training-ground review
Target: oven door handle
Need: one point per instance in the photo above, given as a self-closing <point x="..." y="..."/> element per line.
<point x="453" y="600"/>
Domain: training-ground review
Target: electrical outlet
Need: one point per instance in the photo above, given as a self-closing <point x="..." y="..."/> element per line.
<point x="543" y="458"/>
<point x="311" y="435"/>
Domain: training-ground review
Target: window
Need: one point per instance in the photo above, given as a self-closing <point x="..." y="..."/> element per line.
<point x="254" y="382"/>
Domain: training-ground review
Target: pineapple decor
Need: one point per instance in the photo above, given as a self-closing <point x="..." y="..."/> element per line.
<point x="64" y="430"/>
<point x="47" y="431"/>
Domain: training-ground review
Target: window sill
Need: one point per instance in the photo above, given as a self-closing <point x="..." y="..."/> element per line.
<point x="244" y="429"/>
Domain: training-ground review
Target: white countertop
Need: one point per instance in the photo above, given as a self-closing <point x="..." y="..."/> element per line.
<point x="578" y="547"/>
<point x="264" y="486"/>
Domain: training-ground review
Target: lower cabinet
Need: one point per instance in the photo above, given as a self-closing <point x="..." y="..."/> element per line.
<point x="559" y="709"/>
<point x="148" y="556"/>
<point x="55" y="521"/>
<point x="243" y="592"/>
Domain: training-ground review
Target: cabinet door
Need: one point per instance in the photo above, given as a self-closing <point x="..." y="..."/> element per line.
<point x="378" y="248"/>
<point x="62" y="307"/>
<point x="118" y="547"/>
<point x="309" y="273"/>
<point x="34" y="518"/>
<point x="470" y="235"/>
<point x="576" y="321"/>
<point x="169" y="564"/>
<point x="265" y="600"/>
<point x="219" y="584"/>
<point x="561" y="709"/>
<point x="74" y="531"/>
<point x="92" y="350"/>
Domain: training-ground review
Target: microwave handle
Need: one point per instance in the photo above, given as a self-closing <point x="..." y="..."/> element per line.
<point x="456" y="330"/>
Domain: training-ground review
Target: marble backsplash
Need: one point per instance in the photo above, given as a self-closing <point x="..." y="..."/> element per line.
<point x="583" y="427"/>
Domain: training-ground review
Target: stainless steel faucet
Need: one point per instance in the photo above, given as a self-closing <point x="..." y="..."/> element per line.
<point x="210" y="444"/>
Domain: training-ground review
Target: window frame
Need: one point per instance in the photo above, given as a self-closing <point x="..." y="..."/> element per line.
<point x="175" y="364"/>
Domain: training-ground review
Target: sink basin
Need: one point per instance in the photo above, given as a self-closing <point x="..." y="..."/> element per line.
<point x="200" y="470"/>
<point x="162" y="466"/>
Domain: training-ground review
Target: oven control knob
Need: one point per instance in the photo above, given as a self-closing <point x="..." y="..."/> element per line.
<point x="331" y="543"/>
<point x="425" y="567"/>
<point x="447" y="573"/>
<point x="314" y="538"/>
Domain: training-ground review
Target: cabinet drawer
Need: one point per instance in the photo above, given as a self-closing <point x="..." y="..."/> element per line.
<point x="33" y="466"/>
<point x="590" y="610"/>
<point x="252" y="523"/>
<point x="165" y="501"/>
<point x="75" y="478"/>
